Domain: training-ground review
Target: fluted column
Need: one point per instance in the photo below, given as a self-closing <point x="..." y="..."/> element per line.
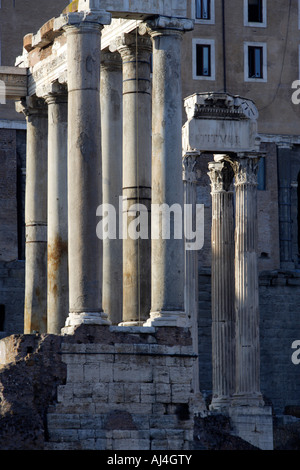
<point x="35" y="311"/>
<point x="111" y="134"/>
<point x="222" y="282"/>
<point x="246" y="283"/>
<point x="83" y="33"/>
<point x="136" y="52"/>
<point x="167" y="282"/>
<point x="58" y="282"/>
<point x="189" y="162"/>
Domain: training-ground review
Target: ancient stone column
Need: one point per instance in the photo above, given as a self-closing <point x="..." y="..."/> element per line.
<point x="190" y="174"/>
<point x="35" y="311"/>
<point x="222" y="285"/>
<point x="111" y="132"/>
<point x="167" y="251"/>
<point x="83" y="32"/>
<point x="58" y="282"/>
<point x="247" y="390"/>
<point x="136" y="51"/>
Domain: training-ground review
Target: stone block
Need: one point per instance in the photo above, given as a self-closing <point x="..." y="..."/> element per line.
<point x="100" y="391"/>
<point x="254" y="425"/>
<point x="132" y="393"/>
<point x="181" y="375"/>
<point x="67" y="421"/>
<point x="130" y="372"/>
<point x="106" y="371"/>
<point x="75" y="373"/>
<point x="180" y="393"/>
<point x="163" y="393"/>
<point x="161" y="374"/>
<point x="116" y="393"/>
<point x="91" y="372"/>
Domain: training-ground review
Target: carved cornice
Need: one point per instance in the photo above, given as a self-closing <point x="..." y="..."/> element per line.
<point x="13" y="81"/>
<point x="219" y="106"/>
<point x="166" y="25"/>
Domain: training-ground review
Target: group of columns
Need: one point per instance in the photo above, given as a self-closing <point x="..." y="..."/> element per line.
<point x="88" y="143"/>
<point x="235" y="302"/>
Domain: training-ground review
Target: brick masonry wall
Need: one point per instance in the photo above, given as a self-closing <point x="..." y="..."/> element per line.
<point x="279" y="294"/>
<point x="12" y="229"/>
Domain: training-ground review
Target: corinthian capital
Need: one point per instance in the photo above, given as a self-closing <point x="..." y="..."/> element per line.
<point x="245" y="169"/>
<point x="221" y="176"/>
<point x="190" y="169"/>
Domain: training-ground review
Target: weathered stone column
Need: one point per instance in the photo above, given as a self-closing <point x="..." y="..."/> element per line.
<point x="83" y="32"/>
<point x="111" y="132"/>
<point x="167" y="252"/>
<point x="58" y="282"/>
<point x="222" y="283"/>
<point x="246" y="282"/>
<point x="190" y="173"/>
<point x="35" y="312"/>
<point x="135" y="51"/>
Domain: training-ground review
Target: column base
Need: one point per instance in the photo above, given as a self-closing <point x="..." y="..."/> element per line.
<point x="167" y="318"/>
<point x="253" y="424"/>
<point x="131" y="323"/>
<point x="84" y="318"/>
<point x="251" y="399"/>
<point x="220" y="404"/>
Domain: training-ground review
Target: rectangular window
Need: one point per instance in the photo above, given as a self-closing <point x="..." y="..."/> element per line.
<point x="255" y="62"/>
<point x="203" y="10"/>
<point x="203" y="59"/>
<point x="255" y="11"/>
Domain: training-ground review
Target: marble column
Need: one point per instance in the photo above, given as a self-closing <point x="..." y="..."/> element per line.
<point x="167" y="252"/>
<point x="222" y="283"/>
<point x="190" y="174"/>
<point x="136" y="51"/>
<point x="35" y="310"/>
<point x="247" y="344"/>
<point x="111" y="132"/>
<point x="58" y="284"/>
<point x="83" y="33"/>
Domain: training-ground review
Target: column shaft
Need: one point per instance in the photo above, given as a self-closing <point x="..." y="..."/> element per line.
<point x="167" y="252"/>
<point x="111" y="132"/>
<point x="35" y="312"/>
<point x="191" y="258"/>
<point x="246" y="284"/>
<point x="58" y="290"/>
<point x="222" y="245"/>
<point x="135" y="51"/>
<point x="84" y="172"/>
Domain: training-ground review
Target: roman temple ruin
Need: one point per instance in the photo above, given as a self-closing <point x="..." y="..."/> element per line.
<point x="100" y="86"/>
